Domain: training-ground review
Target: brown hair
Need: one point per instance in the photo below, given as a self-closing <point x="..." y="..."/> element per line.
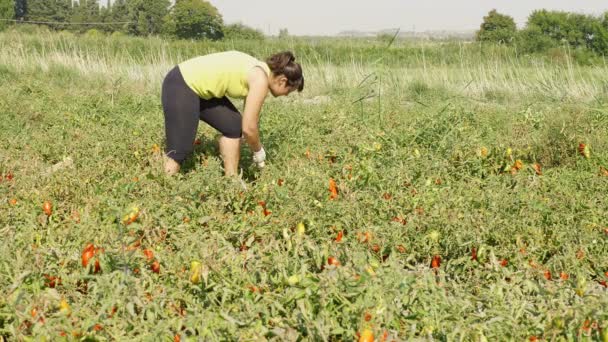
<point x="284" y="63"/>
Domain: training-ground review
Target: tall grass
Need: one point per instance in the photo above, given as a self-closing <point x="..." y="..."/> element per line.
<point x="461" y="68"/>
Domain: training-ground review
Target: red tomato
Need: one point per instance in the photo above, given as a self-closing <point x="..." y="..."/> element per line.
<point x="87" y="254"/>
<point x="436" y="262"/>
<point x="155" y="267"/>
<point x="333" y="261"/>
<point x="339" y="236"/>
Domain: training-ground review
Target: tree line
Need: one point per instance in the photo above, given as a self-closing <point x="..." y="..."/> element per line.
<point x="186" y="19"/>
<point x="546" y="30"/>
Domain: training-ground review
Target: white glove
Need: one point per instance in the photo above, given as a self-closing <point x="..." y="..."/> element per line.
<point x="259" y="158"/>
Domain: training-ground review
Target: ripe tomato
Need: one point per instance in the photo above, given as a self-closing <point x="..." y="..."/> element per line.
<point x="436" y="262"/>
<point x="564" y="276"/>
<point x="87" y="254"/>
<point x="367" y="336"/>
<point x="547" y="275"/>
<point x="367" y="317"/>
<point x="149" y="254"/>
<point x="474" y="254"/>
<point x="52" y="281"/>
<point x="12" y="201"/>
<point x="333" y="261"/>
<point x="339" y="236"/>
<point x="47" y="207"/>
<point x="504" y="262"/>
<point x="155" y="267"/>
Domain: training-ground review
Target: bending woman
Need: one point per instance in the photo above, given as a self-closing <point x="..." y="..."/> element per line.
<point x="197" y="89"/>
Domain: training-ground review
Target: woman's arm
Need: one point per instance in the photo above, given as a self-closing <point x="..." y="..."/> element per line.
<point x="258" y="89"/>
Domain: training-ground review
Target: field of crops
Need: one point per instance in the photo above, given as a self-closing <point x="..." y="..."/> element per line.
<point x="422" y="190"/>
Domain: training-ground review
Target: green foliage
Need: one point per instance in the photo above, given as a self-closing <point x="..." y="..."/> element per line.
<point x="416" y="177"/>
<point x="7" y="11"/>
<point x="532" y="39"/>
<point x="410" y="168"/>
<point x="146" y="16"/>
<point x="49" y="11"/>
<point x="575" y="30"/>
<point x="498" y="28"/>
<point x="240" y="31"/>
<point x="194" y="19"/>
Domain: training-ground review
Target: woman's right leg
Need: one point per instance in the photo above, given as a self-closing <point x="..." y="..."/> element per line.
<point x="181" y="106"/>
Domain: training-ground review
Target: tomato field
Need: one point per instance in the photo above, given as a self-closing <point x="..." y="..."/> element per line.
<point x="421" y="190"/>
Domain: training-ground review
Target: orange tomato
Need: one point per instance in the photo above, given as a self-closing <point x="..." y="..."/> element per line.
<point x="87" y="254"/>
<point x="47" y="207"/>
<point x="339" y="236"/>
<point x="367" y="336"/>
<point x="436" y="262"/>
<point x="149" y="254"/>
<point x="12" y="201"/>
<point x="333" y="189"/>
<point x="333" y="261"/>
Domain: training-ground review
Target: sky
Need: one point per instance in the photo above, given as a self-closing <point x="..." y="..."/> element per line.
<point x="329" y="17"/>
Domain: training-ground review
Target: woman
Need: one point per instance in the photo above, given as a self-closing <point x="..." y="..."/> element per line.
<point x="196" y="90"/>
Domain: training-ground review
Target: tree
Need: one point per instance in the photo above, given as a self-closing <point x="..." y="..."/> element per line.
<point x="56" y="11"/>
<point x="20" y="9"/>
<point x="119" y="13"/>
<point x="7" y="11"/>
<point x="146" y="16"/>
<point x="240" y="31"/>
<point x="497" y="28"/>
<point x="195" y="19"/>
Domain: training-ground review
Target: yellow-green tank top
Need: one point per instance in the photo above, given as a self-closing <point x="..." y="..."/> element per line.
<point x="220" y="74"/>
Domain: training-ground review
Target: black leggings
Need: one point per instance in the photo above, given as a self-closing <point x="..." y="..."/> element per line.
<point x="184" y="108"/>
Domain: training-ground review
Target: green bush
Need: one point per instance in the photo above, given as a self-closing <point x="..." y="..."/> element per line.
<point x="240" y="31"/>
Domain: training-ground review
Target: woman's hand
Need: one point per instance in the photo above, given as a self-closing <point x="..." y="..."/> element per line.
<point x="259" y="158"/>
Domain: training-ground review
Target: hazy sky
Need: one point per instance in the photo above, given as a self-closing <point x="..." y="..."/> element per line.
<point x="328" y="17"/>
